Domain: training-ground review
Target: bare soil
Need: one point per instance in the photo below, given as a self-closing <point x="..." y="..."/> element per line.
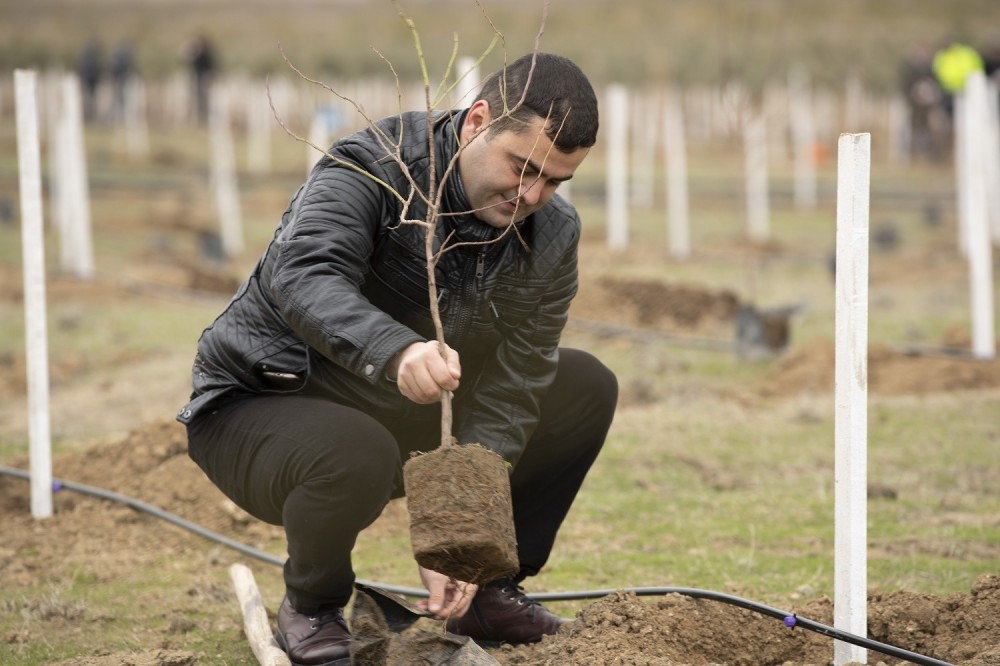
<point x="151" y="464"/>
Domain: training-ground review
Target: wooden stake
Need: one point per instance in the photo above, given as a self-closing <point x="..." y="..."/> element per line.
<point x="755" y="155"/>
<point x="804" y="138"/>
<point x="255" y="623"/>
<point x="76" y="183"/>
<point x="60" y="215"/>
<point x="898" y="132"/>
<point x="136" y="128"/>
<point x="960" y="145"/>
<point x="259" y="122"/>
<point x="319" y="136"/>
<point x="36" y="332"/>
<point x="468" y="86"/>
<point x="991" y="145"/>
<point x="678" y="226"/>
<point x="617" y="175"/>
<point x="851" y="395"/>
<point x="227" y="196"/>
<point x="644" y="115"/>
<point x="977" y="233"/>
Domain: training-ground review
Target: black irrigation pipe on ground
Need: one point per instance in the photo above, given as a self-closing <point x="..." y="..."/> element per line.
<point x="790" y="620"/>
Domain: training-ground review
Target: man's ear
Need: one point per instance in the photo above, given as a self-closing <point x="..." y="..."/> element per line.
<point x="476" y="119"/>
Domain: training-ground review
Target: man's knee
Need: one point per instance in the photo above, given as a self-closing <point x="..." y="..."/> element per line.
<point x="590" y="379"/>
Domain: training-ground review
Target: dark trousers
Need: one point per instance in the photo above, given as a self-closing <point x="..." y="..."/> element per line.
<point x="325" y="471"/>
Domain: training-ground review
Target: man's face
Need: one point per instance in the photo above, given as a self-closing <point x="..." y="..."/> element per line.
<point x="510" y="175"/>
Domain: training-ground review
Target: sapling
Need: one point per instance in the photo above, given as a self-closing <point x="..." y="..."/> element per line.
<point x="461" y="521"/>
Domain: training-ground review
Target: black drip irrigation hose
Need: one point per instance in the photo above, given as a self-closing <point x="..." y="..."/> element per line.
<point x="790" y="620"/>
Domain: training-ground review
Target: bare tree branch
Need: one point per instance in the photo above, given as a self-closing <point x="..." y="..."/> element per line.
<point x="432" y="194"/>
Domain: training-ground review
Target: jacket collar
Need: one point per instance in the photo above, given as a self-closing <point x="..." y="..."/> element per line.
<point x="465" y="227"/>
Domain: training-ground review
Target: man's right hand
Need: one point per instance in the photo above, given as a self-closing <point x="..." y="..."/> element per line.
<point x="422" y="373"/>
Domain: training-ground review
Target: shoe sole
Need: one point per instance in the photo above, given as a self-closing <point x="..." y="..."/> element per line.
<point x="280" y="638"/>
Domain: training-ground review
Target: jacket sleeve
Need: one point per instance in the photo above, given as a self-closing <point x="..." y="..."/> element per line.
<point x="502" y="411"/>
<point x="323" y="252"/>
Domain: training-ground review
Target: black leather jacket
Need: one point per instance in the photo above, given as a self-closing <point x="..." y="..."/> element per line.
<point x="342" y="288"/>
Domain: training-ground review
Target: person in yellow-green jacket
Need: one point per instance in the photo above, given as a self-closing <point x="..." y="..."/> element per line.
<point x="952" y="65"/>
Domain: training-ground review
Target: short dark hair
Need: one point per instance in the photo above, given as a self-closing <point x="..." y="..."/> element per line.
<point x="557" y="90"/>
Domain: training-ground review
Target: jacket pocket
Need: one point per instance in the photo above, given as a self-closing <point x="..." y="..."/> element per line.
<point x="512" y="303"/>
<point x="282" y="365"/>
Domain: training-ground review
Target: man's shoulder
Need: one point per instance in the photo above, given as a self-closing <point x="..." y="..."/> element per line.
<point x="555" y="228"/>
<point x="408" y="125"/>
<point x="403" y="134"/>
<point x="375" y="148"/>
<point x="561" y="213"/>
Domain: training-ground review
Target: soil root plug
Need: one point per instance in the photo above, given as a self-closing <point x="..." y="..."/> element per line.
<point x="461" y="520"/>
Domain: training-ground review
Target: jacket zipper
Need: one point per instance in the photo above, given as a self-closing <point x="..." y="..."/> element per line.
<point x="469" y="305"/>
<point x="480" y="266"/>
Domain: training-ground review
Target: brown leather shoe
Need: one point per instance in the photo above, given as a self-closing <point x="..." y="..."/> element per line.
<point x="322" y="639"/>
<point x="502" y="613"/>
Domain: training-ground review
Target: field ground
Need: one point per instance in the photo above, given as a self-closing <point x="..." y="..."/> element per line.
<point x="718" y="473"/>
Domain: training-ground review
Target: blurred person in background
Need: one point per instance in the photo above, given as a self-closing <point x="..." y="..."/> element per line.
<point x="952" y="65"/>
<point x="324" y="373"/>
<point x="122" y="71"/>
<point x="925" y="100"/>
<point x="991" y="60"/>
<point x="202" y="63"/>
<point x="90" y="69"/>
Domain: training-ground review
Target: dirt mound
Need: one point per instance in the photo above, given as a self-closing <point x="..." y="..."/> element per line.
<point x="653" y="304"/>
<point x="150" y="465"/>
<point x="809" y="368"/>
<point x="679" y="630"/>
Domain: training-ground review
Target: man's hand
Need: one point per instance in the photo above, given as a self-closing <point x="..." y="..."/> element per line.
<point x="449" y="598"/>
<point x="422" y="373"/>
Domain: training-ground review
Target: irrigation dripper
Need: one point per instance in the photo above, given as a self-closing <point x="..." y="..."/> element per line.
<point x="789" y="620"/>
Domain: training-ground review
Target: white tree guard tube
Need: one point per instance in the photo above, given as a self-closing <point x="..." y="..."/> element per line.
<point x="851" y="395"/>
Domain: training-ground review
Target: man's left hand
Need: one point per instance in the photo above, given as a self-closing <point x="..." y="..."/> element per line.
<point x="449" y="598"/>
